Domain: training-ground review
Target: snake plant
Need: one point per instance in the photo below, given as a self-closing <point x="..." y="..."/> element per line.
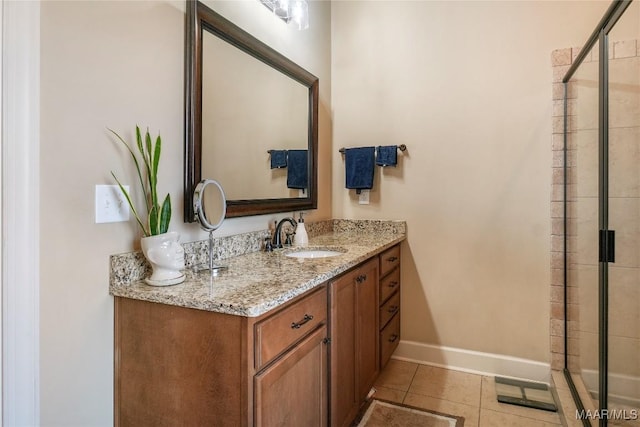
<point x="158" y="218"/>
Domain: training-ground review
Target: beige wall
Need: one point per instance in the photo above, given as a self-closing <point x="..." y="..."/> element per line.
<point x="117" y="64"/>
<point x="467" y="86"/>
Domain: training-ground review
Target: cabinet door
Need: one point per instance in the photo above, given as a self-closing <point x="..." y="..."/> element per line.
<point x="293" y="390"/>
<point x="354" y="340"/>
<point x="367" y="331"/>
<point x="344" y="395"/>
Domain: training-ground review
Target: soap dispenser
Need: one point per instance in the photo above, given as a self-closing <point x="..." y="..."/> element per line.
<point x="301" y="238"/>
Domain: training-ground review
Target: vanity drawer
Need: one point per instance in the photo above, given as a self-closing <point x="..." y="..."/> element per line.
<point x="389" y="339"/>
<point x="389" y="259"/>
<point x="389" y="284"/>
<point x="278" y="332"/>
<point x="389" y="308"/>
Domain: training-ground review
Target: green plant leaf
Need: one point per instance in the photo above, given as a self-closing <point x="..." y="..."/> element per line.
<point x="133" y="208"/>
<point x="147" y="141"/>
<point x="156" y="156"/>
<point x="157" y="218"/>
<point x="147" y="188"/>
<point x="165" y="214"/>
<point x="153" y="220"/>
<point x="135" y="161"/>
<point x="139" y="140"/>
<point x="151" y="171"/>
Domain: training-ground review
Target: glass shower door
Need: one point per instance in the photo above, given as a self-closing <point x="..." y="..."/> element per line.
<point x="623" y="378"/>
<point x="582" y="226"/>
<point x="602" y="220"/>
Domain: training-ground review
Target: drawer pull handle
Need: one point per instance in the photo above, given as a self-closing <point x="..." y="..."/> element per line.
<point x="361" y="278"/>
<point x="393" y="309"/>
<point x="392" y="259"/>
<point x="393" y="284"/>
<point x="393" y="338"/>
<point x="305" y="319"/>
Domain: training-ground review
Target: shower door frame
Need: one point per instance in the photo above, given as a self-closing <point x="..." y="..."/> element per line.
<point x="606" y="243"/>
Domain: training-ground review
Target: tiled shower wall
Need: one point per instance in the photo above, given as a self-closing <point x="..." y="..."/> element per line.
<point x="582" y="216"/>
<point x="561" y="60"/>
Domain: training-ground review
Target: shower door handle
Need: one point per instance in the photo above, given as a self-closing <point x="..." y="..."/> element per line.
<point x="607" y="246"/>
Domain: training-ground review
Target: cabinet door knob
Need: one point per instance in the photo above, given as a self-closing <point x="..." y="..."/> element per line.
<point x="393" y="338"/>
<point x="393" y="284"/>
<point x="361" y="278"/>
<point x="392" y="258"/>
<point x="393" y="309"/>
<point x="305" y="319"/>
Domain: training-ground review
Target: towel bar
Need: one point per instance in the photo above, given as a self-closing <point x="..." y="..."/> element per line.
<point x="401" y="147"/>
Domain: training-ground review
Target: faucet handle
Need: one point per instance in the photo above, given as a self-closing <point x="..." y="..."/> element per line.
<point x="289" y="238"/>
<point x="268" y="246"/>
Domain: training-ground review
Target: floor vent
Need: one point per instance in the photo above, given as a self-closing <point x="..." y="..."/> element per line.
<point x="525" y="393"/>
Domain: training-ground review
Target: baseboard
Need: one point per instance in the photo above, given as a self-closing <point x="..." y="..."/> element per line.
<point x="474" y="362"/>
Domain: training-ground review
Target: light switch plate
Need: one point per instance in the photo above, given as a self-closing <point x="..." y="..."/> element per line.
<point x="363" y="197"/>
<point x="111" y="205"/>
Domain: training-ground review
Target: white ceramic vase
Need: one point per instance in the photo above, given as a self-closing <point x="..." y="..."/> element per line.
<point x="166" y="257"/>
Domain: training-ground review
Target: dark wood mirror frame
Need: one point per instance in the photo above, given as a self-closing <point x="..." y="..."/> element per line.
<point x="200" y="17"/>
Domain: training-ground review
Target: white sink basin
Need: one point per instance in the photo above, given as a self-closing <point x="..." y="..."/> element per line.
<point x="314" y="253"/>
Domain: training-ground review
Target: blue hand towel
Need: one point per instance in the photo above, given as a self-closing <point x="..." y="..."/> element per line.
<point x="387" y="155"/>
<point x="359" y="164"/>
<point x="297" y="169"/>
<point x="278" y="159"/>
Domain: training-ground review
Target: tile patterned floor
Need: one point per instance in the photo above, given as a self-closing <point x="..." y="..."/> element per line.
<point x="452" y="392"/>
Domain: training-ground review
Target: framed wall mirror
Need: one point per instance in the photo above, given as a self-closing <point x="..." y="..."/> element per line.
<point x="245" y="102"/>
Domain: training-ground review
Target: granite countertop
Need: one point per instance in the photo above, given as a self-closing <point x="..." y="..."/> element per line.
<point x="258" y="282"/>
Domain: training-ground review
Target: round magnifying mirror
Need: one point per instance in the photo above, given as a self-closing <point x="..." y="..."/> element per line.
<point x="210" y="206"/>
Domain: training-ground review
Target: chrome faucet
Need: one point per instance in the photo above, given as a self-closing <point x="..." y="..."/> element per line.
<point x="277" y="238"/>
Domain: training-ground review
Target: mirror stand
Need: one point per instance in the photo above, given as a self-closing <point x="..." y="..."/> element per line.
<point x="210" y="205"/>
<point x="213" y="268"/>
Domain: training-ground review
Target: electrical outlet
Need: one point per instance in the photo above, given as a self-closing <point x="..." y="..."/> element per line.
<point x="111" y="205"/>
<point x="363" y="197"/>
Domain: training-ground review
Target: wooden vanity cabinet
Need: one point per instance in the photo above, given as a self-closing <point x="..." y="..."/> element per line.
<point x="389" y="303"/>
<point x="311" y="362"/>
<point x="181" y="366"/>
<point x="354" y="359"/>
